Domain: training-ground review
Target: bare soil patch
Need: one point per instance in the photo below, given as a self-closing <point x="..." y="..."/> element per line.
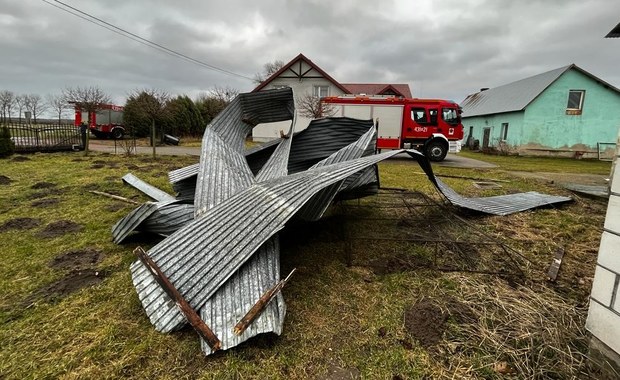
<point x="132" y="166"/>
<point x="20" y="224"/>
<point x="335" y="372"/>
<point x="426" y="322"/>
<point x="97" y="166"/>
<point x="45" y="202"/>
<point x="4" y="180"/>
<point x="77" y="260"/>
<point x="62" y="227"/>
<point x="71" y="283"/>
<point x="20" y="158"/>
<point x="42" y="194"/>
<point x="43" y="185"/>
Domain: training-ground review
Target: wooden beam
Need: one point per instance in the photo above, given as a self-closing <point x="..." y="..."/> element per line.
<point x="192" y="317"/>
<point x="555" y="265"/>
<point x="260" y="305"/>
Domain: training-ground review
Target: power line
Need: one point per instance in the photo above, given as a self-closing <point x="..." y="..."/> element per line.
<point x="125" y="33"/>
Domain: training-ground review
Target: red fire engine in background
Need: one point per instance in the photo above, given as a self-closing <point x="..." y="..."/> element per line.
<point x="432" y="126"/>
<point x="107" y="122"/>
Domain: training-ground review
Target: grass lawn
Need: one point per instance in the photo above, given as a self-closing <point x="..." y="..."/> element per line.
<point x="392" y="286"/>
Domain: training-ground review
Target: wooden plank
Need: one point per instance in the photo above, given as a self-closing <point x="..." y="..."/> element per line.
<point x="192" y="317"/>
<point x="260" y="305"/>
<point x="555" y="265"/>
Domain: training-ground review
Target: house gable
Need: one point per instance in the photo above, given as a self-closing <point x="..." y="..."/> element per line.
<point x="299" y="68"/>
<point x="549" y="122"/>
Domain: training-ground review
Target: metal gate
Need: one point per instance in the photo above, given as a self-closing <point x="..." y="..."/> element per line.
<point x="45" y="137"/>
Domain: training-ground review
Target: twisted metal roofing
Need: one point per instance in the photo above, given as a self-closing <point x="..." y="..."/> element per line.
<point x="224" y="253"/>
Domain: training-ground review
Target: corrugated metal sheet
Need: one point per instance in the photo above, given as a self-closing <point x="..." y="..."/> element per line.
<point x="316" y="206"/>
<point x="223" y="172"/>
<point x="497" y="205"/>
<point x="320" y="139"/>
<point x="510" y="97"/>
<point x="146" y="188"/>
<point x="158" y="217"/>
<point x="199" y="258"/>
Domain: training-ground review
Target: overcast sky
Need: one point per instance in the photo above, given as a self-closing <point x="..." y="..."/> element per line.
<point x="441" y="48"/>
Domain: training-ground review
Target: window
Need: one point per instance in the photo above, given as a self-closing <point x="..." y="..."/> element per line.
<point x="450" y="116"/>
<point x="504" y="132"/>
<point x="418" y="115"/>
<point x="433" y="115"/>
<point x="575" y="102"/>
<point x="321" y="91"/>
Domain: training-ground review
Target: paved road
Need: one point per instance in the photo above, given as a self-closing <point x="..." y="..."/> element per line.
<point x="452" y="160"/>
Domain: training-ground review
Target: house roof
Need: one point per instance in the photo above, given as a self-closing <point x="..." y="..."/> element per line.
<point x="289" y="66"/>
<point x="400" y="89"/>
<point x="615" y="32"/>
<point x="349" y="88"/>
<point x="517" y="95"/>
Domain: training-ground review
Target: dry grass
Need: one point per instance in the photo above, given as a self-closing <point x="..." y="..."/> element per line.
<point x="342" y="316"/>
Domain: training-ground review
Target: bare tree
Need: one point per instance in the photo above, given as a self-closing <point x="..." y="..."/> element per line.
<point x="269" y="69"/>
<point x="7" y="102"/>
<point x="20" y="104"/>
<point x="311" y="106"/>
<point x="89" y="99"/>
<point x="58" y="105"/>
<point x="225" y="94"/>
<point x="35" y="104"/>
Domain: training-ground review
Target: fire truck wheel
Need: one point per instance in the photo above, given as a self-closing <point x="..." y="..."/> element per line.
<point x="117" y="133"/>
<point x="436" y="150"/>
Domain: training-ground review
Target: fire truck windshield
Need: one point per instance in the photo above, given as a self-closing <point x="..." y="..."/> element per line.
<point x="450" y="115"/>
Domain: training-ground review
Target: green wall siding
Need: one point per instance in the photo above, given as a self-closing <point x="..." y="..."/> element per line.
<point x="515" y="126"/>
<point x="544" y="123"/>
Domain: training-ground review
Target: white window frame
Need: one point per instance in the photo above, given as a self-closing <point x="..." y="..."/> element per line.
<point x="580" y="107"/>
<point x="316" y="91"/>
<point x="503" y="136"/>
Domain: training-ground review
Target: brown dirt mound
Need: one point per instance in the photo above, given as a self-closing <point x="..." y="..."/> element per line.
<point x="59" y="228"/>
<point x="20" y="224"/>
<point x="97" y="166"/>
<point x="20" y="159"/>
<point x="77" y="260"/>
<point x="426" y="322"/>
<point x="4" y="180"/>
<point x="72" y="282"/>
<point x="131" y="166"/>
<point x="46" y="193"/>
<point x="399" y="263"/>
<point x="42" y="185"/>
<point x="45" y="202"/>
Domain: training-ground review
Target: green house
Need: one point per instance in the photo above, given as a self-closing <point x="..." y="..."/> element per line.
<point x="566" y="111"/>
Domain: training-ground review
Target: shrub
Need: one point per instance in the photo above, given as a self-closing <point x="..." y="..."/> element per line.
<point x="7" y="146"/>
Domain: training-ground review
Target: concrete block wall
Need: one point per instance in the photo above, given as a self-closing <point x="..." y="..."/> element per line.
<point x="604" y="313"/>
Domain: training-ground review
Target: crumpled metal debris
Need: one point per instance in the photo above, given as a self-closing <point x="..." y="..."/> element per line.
<point x="221" y="250"/>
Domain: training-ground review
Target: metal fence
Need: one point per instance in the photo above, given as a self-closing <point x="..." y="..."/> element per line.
<point x="44" y="137"/>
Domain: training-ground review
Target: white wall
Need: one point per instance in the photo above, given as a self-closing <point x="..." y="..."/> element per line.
<point x="270" y="131"/>
<point x="604" y="313"/>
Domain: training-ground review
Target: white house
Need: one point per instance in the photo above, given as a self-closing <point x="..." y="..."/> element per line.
<point x="306" y="78"/>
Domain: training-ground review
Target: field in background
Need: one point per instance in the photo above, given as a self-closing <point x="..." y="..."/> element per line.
<point x="376" y="294"/>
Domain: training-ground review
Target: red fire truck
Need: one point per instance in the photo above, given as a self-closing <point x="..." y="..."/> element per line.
<point x="433" y="126"/>
<point x="107" y="122"/>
